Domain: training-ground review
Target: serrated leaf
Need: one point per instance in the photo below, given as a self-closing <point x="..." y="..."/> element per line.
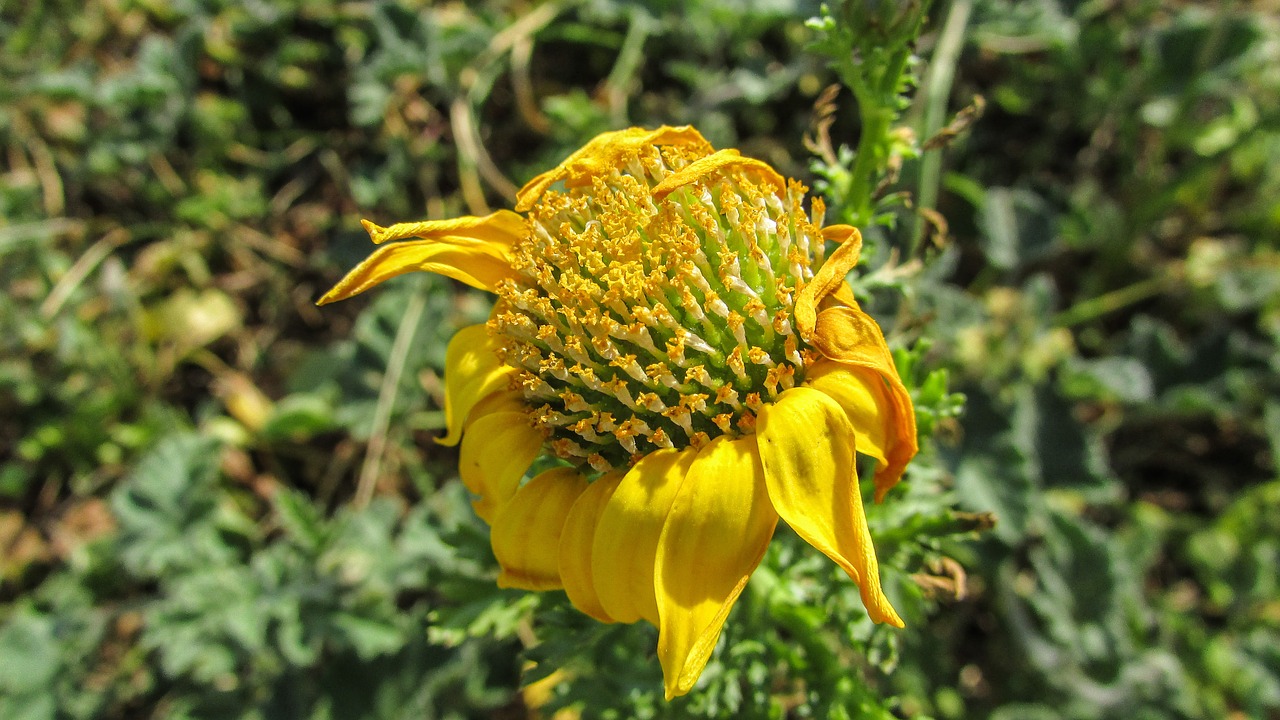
<point x="300" y="518"/>
<point x="167" y="508"/>
<point x="1018" y="227"/>
<point x="28" y="654"/>
<point x="298" y="417"/>
<point x="370" y="637"/>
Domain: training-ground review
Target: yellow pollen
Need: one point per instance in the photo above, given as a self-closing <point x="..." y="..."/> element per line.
<point x="567" y="449"/>
<point x="659" y="437"/>
<point x="573" y="401"/>
<point x="651" y="402"/>
<point x="699" y="374"/>
<point x="696" y="402"/>
<point x="680" y="416"/>
<point x="736" y="365"/>
<point x="729" y="396"/>
<point x="771" y="381"/>
<point x="586" y="429"/>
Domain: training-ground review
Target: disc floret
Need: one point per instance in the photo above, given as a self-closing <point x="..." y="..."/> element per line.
<point x="651" y="306"/>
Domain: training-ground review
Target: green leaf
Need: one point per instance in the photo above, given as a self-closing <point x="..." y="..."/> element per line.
<point x="298" y="417"/>
<point x="1018" y="226"/>
<point x="1116" y="379"/>
<point x="370" y="637"/>
<point x="29" y="653"/>
<point x="168" y="509"/>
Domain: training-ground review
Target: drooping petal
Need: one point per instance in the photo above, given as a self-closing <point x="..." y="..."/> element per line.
<point x="502" y="228"/>
<point x="626" y="541"/>
<point x="576" y="545"/>
<point x="828" y="279"/>
<point x="497" y="449"/>
<point x="472" y="372"/>
<point x="504" y="400"/>
<point x="850" y="337"/>
<point x="718" y="529"/>
<point x="604" y="154"/>
<point x="806" y="447"/>
<point x="473" y="250"/>
<point x="865" y="400"/>
<point x="842" y="234"/>
<point x="842" y="295"/>
<point x="526" y="530"/>
<point x="716" y="162"/>
<point x="476" y="266"/>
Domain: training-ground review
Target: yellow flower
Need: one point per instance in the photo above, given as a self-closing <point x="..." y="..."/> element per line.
<point x="665" y="323"/>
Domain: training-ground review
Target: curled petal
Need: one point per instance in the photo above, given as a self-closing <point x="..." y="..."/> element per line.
<point x="852" y="338"/>
<point x="828" y="279"/>
<point x="473" y="250"/>
<point x="882" y="416"/>
<point x="605" y="154"/>
<point x="842" y="234"/>
<point x="497" y="449"/>
<point x="500" y="229"/>
<point x="576" y="545"/>
<point x="712" y="164"/>
<point x="626" y="541"/>
<point x="526" y="530"/>
<point x="504" y="400"/>
<point x="478" y="267"/>
<point x="842" y="295"/>
<point x="806" y="447"/>
<point x="718" y="529"/>
<point x="472" y="372"/>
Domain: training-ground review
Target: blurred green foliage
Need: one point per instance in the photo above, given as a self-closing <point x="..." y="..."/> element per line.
<point x="218" y="501"/>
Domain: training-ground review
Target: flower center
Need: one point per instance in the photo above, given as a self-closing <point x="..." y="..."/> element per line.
<point x="646" y="321"/>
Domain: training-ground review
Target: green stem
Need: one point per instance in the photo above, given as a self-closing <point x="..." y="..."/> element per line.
<point x="370" y="471"/>
<point x="892" y="78"/>
<point x="866" y="163"/>
<point x="942" y="71"/>
<point x="877" y="98"/>
<point x="1104" y="304"/>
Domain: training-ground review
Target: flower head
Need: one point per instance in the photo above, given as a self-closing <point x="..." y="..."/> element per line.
<point x="668" y="324"/>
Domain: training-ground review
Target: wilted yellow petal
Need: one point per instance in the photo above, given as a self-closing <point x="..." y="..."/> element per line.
<point x="503" y="400"/>
<point x="718" y="161"/>
<point x="605" y="154"/>
<point x="576" y="545"/>
<point x="478" y="267"/>
<point x="806" y="447"/>
<point x="501" y="229"/>
<point x="850" y="337"/>
<point x="828" y="279"/>
<point x="717" y="531"/>
<point x="864" y="398"/>
<point x="497" y="449"/>
<point x="842" y="295"/>
<point x="473" y="250"/>
<point x="526" y="530"/>
<point x="842" y="234"/>
<point x="622" y="554"/>
<point x="472" y="372"/>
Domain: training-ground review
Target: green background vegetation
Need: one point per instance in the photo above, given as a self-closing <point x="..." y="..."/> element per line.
<point x="218" y="501"/>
